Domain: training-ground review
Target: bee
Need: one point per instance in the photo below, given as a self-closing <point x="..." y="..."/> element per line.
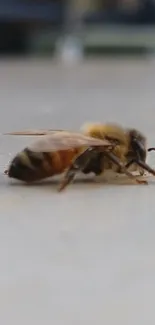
<point x="59" y="151"/>
<point x="132" y="149"/>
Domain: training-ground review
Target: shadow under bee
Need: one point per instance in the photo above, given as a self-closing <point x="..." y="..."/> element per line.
<point x="82" y="182"/>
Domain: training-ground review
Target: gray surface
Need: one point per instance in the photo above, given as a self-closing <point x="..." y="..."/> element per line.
<point x="85" y="256"/>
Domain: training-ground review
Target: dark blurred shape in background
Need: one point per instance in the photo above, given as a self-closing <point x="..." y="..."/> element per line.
<point x="21" y="20"/>
<point x="123" y="11"/>
<point x="18" y="18"/>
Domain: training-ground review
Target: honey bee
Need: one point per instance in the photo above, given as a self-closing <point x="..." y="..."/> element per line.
<point x="60" y="151"/>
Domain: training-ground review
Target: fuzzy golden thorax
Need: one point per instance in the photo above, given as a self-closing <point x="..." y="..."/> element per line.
<point x="108" y="131"/>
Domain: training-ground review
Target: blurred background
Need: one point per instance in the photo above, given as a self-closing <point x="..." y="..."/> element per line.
<point x="94" y="26"/>
<point x="88" y="256"/>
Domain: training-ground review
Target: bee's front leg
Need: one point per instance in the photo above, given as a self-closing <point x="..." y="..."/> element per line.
<point x="124" y="169"/>
<point x="143" y="165"/>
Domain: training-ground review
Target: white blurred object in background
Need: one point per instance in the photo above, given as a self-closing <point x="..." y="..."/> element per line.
<point x="69" y="49"/>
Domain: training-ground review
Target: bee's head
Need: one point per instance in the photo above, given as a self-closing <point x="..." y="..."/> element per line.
<point x="138" y="143"/>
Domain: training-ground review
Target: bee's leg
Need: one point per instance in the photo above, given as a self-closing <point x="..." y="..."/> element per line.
<point x="116" y="161"/>
<point x="133" y="161"/>
<point x="95" y="165"/>
<point x="142" y="164"/>
<point x="77" y="165"/>
<point x="68" y="178"/>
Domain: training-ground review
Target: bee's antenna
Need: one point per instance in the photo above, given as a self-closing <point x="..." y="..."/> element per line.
<point x="151" y="149"/>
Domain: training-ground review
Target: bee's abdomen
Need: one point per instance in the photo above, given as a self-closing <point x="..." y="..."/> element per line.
<point x="25" y="165"/>
<point x="29" y="166"/>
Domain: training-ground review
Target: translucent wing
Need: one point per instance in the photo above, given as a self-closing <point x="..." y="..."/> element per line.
<point x="34" y="132"/>
<point x="66" y="140"/>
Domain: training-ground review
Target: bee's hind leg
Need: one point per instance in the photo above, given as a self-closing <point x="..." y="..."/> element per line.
<point x="68" y="178"/>
<point x="79" y="164"/>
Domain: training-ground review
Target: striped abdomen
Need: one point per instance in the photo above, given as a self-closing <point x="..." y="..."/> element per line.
<point x="29" y="166"/>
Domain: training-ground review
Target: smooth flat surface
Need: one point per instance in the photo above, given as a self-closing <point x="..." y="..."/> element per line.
<point x="87" y="255"/>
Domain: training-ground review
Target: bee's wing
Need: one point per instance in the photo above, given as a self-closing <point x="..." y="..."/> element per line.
<point x="66" y="140"/>
<point x="33" y="132"/>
